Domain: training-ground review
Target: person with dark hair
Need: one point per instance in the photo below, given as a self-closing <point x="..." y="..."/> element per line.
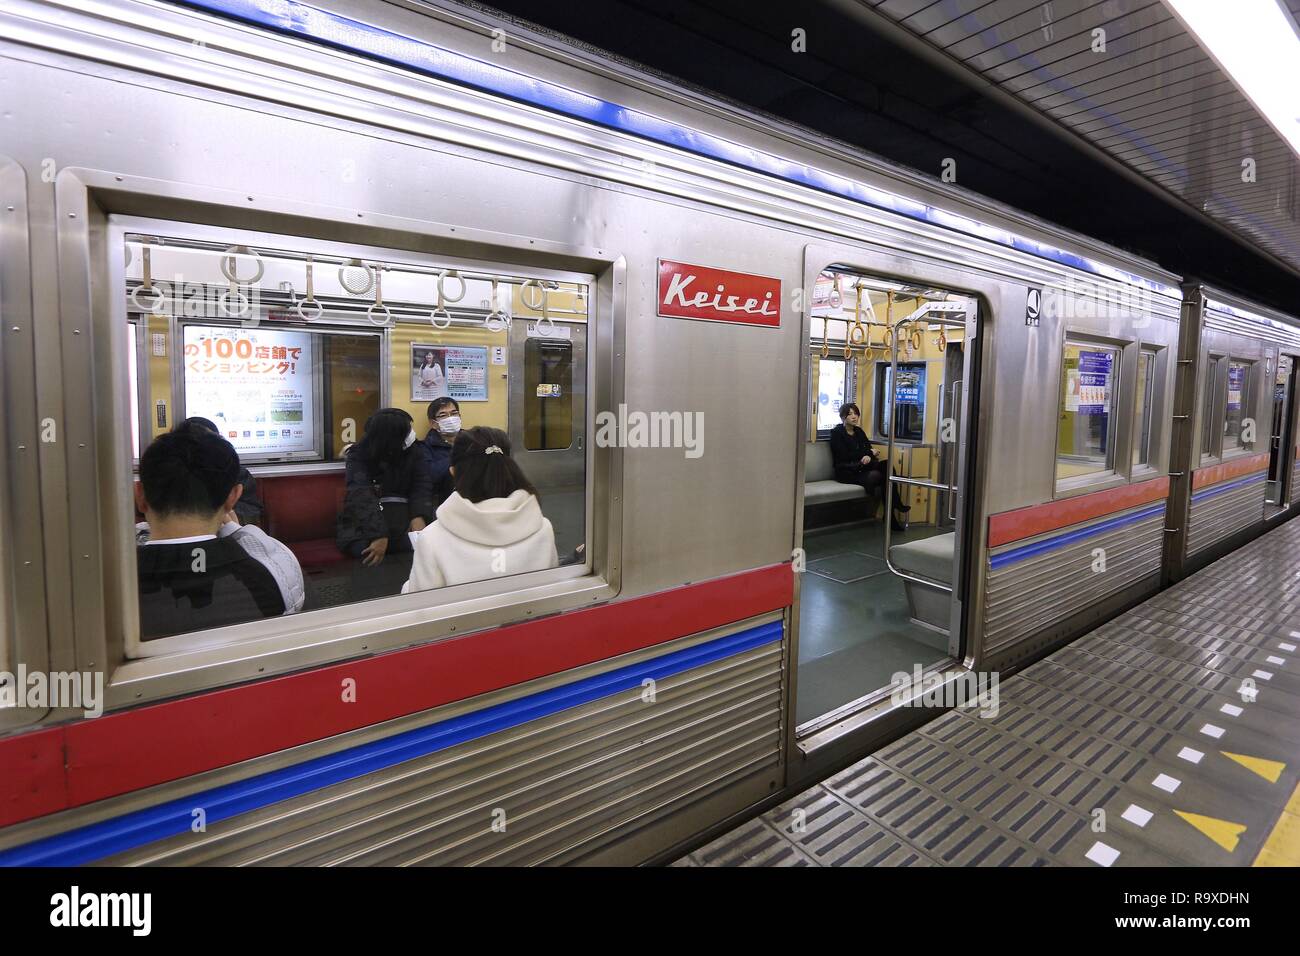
<point x="200" y="569"/>
<point x="389" y="489"/>
<point x="444" y="424"/>
<point x="491" y="524"/>
<point x="856" y="462"/>
<point x="248" y="509"/>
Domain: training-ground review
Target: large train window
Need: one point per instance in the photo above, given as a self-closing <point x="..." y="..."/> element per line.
<point x="909" y="399"/>
<point x="1089" y="384"/>
<point x="833" y="374"/>
<point x="326" y="427"/>
<point x="1237" y="407"/>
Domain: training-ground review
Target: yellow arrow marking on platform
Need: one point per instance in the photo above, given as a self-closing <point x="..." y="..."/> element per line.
<point x="1282" y="848"/>
<point x="1270" y="770"/>
<point x="1220" y="831"/>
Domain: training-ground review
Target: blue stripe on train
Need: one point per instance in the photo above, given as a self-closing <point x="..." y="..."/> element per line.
<point x="1229" y="486"/>
<point x="344" y="33"/>
<point x="1004" y="558"/>
<point x="138" y="828"/>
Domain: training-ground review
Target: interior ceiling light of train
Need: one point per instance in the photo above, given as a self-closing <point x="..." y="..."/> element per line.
<point x="1214" y="122"/>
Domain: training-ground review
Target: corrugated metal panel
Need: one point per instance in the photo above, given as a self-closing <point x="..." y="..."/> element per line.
<point x="1215" y="517"/>
<point x="559" y="785"/>
<point x="1153" y="99"/>
<point x="1031" y="595"/>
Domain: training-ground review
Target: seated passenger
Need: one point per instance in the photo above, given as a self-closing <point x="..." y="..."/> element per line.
<point x="856" y="462"/>
<point x="199" y="569"/>
<point x="444" y="424"/>
<point x="249" y="507"/>
<point x="491" y="525"/>
<point x="389" y="489"/>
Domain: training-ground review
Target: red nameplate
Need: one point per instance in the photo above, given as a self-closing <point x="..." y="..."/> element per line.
<point x="697" y="292"/>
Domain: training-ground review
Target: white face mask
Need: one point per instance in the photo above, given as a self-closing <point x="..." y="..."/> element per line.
<point x="410" y="439"/>
<point x="449" y="425"/>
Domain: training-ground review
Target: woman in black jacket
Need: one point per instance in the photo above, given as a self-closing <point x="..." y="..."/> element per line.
<point x="856" y="462"/>
<point x="389" y="489"/>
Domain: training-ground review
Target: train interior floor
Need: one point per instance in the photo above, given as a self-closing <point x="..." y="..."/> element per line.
<point x="1167" y="736"/>
<point x="855" y="627"/>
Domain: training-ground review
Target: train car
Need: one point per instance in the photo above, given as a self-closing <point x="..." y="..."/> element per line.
<point x="283" y="217"/>
<point x="1235" y="420"/>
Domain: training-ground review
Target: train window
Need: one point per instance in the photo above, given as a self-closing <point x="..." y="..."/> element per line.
<point x="909" y="400"/>
<point x="1237" y="408"/>
<point x="548" y="394"/>
<point x="320" y="396"/>
<point x="1084" y="439"/>
<point x="1143" y="403"/>
<point x="1209" y="407"/>
<point x="834" y="388"/>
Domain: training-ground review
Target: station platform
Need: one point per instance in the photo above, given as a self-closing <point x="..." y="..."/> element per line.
<point x="1169" y="736"/>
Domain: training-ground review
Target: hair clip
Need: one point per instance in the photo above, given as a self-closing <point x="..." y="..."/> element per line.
<point x="493" y="450"/>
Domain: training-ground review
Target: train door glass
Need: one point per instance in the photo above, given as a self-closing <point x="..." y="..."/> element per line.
<point x="1281" y="455"/>
<point x="875" y="602"/>
<point x="314" y="373"/>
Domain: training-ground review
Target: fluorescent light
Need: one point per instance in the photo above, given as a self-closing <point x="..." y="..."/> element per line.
<point x="1256" y="44"/>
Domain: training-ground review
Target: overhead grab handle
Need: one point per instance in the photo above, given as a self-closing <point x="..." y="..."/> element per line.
<point x="146" y="285"/>
<point x="378" y="306"/>
<point x="496" y="319"/>
<point x="309" y="301"/>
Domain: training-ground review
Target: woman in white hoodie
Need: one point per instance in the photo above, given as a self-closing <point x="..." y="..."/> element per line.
<point x="490" y="526"/>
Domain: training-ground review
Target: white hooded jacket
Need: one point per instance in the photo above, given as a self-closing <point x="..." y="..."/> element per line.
<point x="472" y="542"/>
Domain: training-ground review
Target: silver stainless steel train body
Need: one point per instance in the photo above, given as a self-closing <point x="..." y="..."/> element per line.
<point x="126" y="112"/>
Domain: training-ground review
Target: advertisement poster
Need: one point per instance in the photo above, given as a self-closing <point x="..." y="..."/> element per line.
<point x="1236" y="382"/>
<point x="1089" y="388"/>
<point x="911" y="386"/>
<point x="459" y="372"/>
<point x="254" y="384"/>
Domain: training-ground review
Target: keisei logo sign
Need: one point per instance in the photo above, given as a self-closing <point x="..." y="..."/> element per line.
<point x="716" y="295"/>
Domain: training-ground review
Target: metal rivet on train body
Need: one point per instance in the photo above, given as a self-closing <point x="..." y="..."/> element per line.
<point x="118" y="178"/>
<point x="14" y="329"/>
<point x="22" y="447"/>
<point x="76" y="331"/>
<point x="72" y="215"/>
<point x="10" y="208"/>
<point x="250" y="198"/>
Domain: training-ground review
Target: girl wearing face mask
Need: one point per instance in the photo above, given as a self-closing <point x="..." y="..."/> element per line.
<point x="444" y="425"/>
<point x="389" y="489"/>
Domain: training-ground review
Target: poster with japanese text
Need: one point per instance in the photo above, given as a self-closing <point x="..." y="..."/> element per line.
<point x="1094" y="388"/>
<point x="460" y="373"/>
<point x="1236" y="383"/>
<point x="254" y="384"/>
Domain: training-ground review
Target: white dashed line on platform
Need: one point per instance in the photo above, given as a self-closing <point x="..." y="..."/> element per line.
<point x="1167" y="783"/>
<point x="1212" y="731"/>
<point x="1102" y="855"/>
<point x="1137" y="815"/>
<point x="1232" y="710"/>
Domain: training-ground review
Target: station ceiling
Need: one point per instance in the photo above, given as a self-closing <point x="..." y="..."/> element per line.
<point x="1141" y="147"/>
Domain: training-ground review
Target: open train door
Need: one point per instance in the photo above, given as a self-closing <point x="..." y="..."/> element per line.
<point x="932" y="568"/>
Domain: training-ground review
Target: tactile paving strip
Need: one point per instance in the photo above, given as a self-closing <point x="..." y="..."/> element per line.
<point x="1168" y="736"/>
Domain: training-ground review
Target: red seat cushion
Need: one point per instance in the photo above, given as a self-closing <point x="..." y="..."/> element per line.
<point x="301" y="511"/>
<point x="318" y="553"/>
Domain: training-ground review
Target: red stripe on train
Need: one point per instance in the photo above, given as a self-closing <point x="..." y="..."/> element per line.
<point x="1228" y="470"/>
<point x="1039" y="519"/>
<point x="49" y="770"/>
